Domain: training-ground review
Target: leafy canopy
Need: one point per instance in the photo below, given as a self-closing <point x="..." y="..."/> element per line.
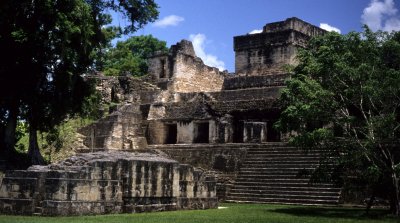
<point x="46" y="46"/>
<point x="344" y="96"/>
<point x="130" y="56"/>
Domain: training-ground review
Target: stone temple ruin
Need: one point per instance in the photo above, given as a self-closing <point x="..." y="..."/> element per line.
<point x="183" y="137"/>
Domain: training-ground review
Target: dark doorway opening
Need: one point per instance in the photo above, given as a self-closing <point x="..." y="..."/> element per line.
<point x="201" y="132"/>
<point x="162" y="72"/>
<point x="238" y="132"/>
<point x="272" y="134"/>
<point x="172" y="133"/>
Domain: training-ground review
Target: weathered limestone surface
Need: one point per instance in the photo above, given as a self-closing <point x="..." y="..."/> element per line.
<point x="124" y="89"/>
<point x="241" y="82"/>
<point x="107" y="182"/>
<point x="268" y="52"/>
<point x="121" y="130"/>
<point x="182" y="71"/>
<point x="224" y="160"/>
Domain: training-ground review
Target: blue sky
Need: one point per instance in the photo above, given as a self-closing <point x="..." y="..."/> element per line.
<point x="212" y="24"/>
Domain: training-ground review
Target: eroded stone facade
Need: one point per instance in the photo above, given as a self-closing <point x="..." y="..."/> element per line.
<point x="267" y="53"/>
<point x="189" y="111"/>
<point x="191" y="103"/>
<point x="107" y="182"/>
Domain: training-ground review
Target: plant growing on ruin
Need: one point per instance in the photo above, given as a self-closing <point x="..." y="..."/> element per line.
<point x="344" y="96"/>
<point x="45" y="48"/>
<point x="130" y="56"/>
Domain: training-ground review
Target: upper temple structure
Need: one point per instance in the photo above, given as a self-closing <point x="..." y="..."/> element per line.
<point x="268" y="52"/>
<point x="182" y="137"/>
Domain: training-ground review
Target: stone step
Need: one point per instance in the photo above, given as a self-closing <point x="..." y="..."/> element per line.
<point x="286" y="151"/>
<point x="281" y="175"/>
<point x="253" y="171"/>
<point x="308" y="188"/>
<point x="289" y="169"/>
<point x="282" y="166"/>
<point x="281" y="201"/>
<point x="273" y="180"/>
<point x="283" y="158"/>
<point x="236" y="191"/>
<point x="281" y="195"/>
<point x="269" y="160"/>
<point x="279" y="156"/>
<point x="272" y="176"/>
<point x="284" y="148"/>
<point x="281" y="184"/>
<point x="284" y="154"/>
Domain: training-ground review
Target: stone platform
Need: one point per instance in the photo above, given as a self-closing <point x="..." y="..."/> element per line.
<point x="107" y="182"/>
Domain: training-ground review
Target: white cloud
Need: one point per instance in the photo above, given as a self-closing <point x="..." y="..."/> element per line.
<point x="381" y="15"/>
<point x="171" y="20"/>
<point x="329" y="28"/>
<point x="256" y="31"/>
<point x="199" y="41"/>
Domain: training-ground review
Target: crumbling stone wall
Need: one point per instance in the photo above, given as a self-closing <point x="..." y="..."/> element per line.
<point x="191" y="75"/>
<point x="294" y="24"/>
<point x="268" y="52"/>
<point x="122" y="89"/>
<point x="121" y="130"/>
<point x="100" y="183"/>
<point x="182" y="71"/>
<point x="242" y="82"/>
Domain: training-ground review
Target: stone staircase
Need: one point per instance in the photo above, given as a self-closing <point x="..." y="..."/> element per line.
<point x="272" y="174"/>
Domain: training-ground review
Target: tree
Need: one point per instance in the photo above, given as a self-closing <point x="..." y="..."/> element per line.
<point x="130" y="56"/>
<point x="344" y="96"/>
<point x="46" y="46"/>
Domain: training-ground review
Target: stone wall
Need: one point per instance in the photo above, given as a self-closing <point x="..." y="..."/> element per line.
<point x="233" y="95"/>
<point x="247" y="94"/>
<point x="121" y="130"/>
<point x="182" y="71"/>
<point x="223" y="159"/>
<point x="101" y="183"/>
<point x="294" y="24"/>
<point x="269" y="52"/>
<point x="240" y="82"/>
<point x="123" y="89"/>
<point x="191" y="75"/>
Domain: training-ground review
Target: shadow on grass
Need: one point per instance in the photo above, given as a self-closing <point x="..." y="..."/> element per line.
<point x="334" y="212"/>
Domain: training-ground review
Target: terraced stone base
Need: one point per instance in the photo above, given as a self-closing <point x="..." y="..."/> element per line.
<point x="105" y="183"/>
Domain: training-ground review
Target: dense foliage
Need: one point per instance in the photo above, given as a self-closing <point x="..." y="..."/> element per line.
<point x="344" y="96"/>
<point x="45" y="48"/>
<point x="130" y="56"/>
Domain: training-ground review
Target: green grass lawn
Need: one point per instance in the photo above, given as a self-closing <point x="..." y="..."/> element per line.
<point x="240" y="213"/>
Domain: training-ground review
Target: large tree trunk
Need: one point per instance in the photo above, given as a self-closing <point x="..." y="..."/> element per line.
<point x="395" y="203"/>
<point x="9" y="131"/>
<point x="34" y="152"/>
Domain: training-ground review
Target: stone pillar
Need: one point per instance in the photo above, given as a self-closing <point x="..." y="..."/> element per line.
<point x="185" y="132"/>
<point x="255" y="132"/>
<point x="213" y="132"/>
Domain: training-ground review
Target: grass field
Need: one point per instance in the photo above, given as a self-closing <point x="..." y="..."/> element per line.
<point x="229" y="213"/>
